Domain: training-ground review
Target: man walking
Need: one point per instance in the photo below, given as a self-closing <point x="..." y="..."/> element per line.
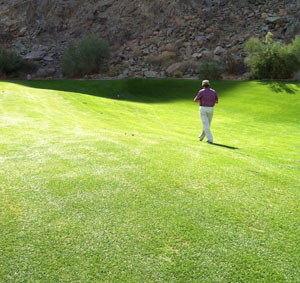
<point x="207" y="98"/>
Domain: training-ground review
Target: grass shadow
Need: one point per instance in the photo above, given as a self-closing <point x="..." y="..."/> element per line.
<point x="134" y="90"/>
<point x="226" y="146"/>
<point x="282" y="86"/>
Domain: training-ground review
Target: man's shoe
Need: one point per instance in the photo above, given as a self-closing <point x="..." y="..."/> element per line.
<point x="209" y="142"/>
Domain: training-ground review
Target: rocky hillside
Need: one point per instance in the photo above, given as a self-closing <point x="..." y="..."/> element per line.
<point x="148" y="38"/>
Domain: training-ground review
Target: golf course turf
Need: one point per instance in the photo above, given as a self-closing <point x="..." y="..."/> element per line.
<point x="106" y="181"/>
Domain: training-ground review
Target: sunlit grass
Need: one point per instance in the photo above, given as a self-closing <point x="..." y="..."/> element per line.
<point x="94" y="188"/>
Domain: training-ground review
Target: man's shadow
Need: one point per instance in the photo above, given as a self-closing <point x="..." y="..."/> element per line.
<point x="226" y="146"/>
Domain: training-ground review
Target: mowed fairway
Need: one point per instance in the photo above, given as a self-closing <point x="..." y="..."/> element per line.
<point x="96" y="189"/>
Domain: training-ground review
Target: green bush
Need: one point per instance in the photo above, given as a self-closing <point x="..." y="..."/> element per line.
<point x="271" y="59"/>
<point x="86" y="58"/>
<point x="210" y="70"/>
<point x="10" y="62"/>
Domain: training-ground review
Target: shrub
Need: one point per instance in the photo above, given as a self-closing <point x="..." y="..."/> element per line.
<point x="210" y="70"/>
<point x="85" y="58"/>
<point x="10" y="62"/>
<point x="177" y="75"/>
<point x="272" y="60"/>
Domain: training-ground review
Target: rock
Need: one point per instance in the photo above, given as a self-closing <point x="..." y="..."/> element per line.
<point x="208" y="30"/>
<point x="292" y="29"/>
<point x="103" y="7"/>
<point x="68" y="3"/>
<point x="20" y="47"/>
<point x="208" y="3"/>
<point x="131" y="62"/>
<point x="206" y="54"/>
<point x="197" y="55"/>
<point x="187" y="44"/>
<point x="22" y="31"/>
<point x="151" y="74"/>
<point x="246" y="75"/>
<point x="34" y="55"/>
<point x="189" y="51"/>
<point x="102" y="19"/>
<point x="6" y="37"/>
<point x="173" y="68"/>
<point x="275" y="20"/>
<point x="282" y="12"/>
<point x="210" y="37"/>
<point x="122" y="77"/>
<point x="220" y="51"/>
<point x="46" y="72"/>
<point x="217" y="58"/>
<point x="146" y="51"/>
<point x="16" y="25"/>
<point x="90" y="16"/>
<point x="48" y="58"/>
<point x="193" y="29"/>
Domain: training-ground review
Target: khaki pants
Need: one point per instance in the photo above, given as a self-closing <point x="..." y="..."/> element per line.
<point x="206" y="114"/>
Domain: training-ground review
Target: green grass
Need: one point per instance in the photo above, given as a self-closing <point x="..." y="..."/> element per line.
<point x="96" y="189"/>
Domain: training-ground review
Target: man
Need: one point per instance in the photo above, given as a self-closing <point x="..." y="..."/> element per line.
<point x="207" y="98"/>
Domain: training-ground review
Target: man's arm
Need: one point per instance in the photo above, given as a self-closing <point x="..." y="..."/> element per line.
<point x="197" y="98"/>
<point x="217" y="99"/>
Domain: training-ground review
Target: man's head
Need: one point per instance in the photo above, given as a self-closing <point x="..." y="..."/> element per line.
<point x="205" y="83"/>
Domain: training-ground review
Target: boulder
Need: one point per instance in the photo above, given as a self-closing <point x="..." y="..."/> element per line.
<point x="189" y="51"/>
<point x="150" y="74"/>
<point x="20" y="47"/>
<point x="173" y="68"/>
<point x="197" y="55"/>
<point x="220" y="51"/>
<point x="16" y="25"/>
<point x="206" y="54"/>
<point x="122" y="76"/>
<point x="22" y="31"/>
<point x="282" y="12"/>
<point x="104" y="6"/>
<point x="34" y="55"/>
<point x="48" y="58"/>
<point x="275" y="20"/>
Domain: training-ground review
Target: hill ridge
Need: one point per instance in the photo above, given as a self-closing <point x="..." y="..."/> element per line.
<point x="141" y="33"/>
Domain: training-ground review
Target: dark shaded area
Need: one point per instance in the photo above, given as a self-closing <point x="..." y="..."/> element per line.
<point x="223" y="145"/>
<point x="135" y="90"/>
<point x="281" y="86"/>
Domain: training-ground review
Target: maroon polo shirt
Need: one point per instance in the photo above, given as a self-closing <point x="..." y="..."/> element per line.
<point x="208" y="97"/>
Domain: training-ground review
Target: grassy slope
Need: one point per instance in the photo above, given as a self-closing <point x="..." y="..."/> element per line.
<point x="98" y="189"/>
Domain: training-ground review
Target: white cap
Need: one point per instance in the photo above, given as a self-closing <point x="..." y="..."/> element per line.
<point x="205" y="82"/>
